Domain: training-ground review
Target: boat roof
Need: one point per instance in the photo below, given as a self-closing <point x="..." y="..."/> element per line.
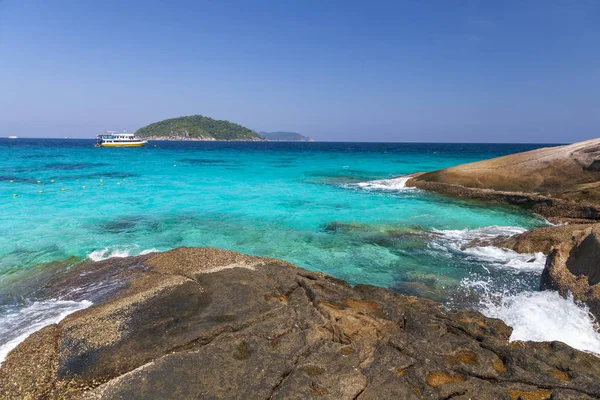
<point x="115" y="133"/>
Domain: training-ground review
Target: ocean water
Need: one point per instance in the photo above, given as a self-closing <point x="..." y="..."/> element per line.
<point x="340" y="208"/>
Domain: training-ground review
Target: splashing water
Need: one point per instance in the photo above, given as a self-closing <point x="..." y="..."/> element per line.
<point x="118" y="252"/>
<point x="546" y="316"/>
<point x="17" y="325"/>
<point x="391" y="184"/>
<point x="458" y="241"/>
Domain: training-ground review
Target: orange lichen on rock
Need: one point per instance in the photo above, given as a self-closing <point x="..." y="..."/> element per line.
<point x="499" y="366"/>
<point x="371" y="307"/>
<point x="436" y="379"/>
<point x="464" y="358"/>
<point x="563" y="376"/>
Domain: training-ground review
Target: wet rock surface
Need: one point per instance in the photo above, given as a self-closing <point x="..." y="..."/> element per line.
<point x="558" y="182"/>
<point x="573" y="268"/>
<point x="539" y="240"/>
<point x="199" y="323"/>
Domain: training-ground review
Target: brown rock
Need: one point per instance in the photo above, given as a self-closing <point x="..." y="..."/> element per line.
<point x="560" y="181"/>
<point x="584" y="258"/>
<point x="205" y="323"/>
<point x="542" y="239"/>
<point x="574" y="268"/>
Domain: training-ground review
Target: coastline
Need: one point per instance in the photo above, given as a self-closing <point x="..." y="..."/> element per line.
<point x="560" y="183"/>
<point x="468" y="247"/>
<point x="555" y="209"/>
<point x="304" y="330"/>
<point x="556" y="182"/>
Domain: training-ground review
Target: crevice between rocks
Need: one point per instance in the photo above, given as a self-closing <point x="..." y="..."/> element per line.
<point x="361" y="391"/>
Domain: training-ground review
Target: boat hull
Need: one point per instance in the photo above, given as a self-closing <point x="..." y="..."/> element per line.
<point x="133" y="144"/>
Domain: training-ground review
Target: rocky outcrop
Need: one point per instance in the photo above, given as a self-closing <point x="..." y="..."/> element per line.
<point x="562" y="181"/>
<point x="205" y="323"/>
<point x="540" y="240"/>
<point x="573" y="267"/>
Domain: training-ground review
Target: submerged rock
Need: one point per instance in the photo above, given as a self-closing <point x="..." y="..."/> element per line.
<point x="574" y="268"/>
<point x="561" y="181"/>
<point x="204" y="323"/>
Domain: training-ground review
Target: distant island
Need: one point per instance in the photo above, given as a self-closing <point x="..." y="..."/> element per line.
<point x="286" y="136"/>
<point x="197" y="127"/>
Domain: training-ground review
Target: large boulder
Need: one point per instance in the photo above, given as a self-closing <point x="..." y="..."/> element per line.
<point x="197" y="323"/>
<point x="562" y="181"/>
<point x="573" y="268"/>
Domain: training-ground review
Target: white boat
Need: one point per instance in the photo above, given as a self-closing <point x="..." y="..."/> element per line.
<point x="115" y="139"/>
<point x="12" y="137"/>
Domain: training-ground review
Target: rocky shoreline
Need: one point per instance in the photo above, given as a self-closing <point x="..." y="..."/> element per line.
<point x="208" y="323"/>
<point x="555" y="209"/>
<point x="573" y="268"/>
<point x="560" y="183"/>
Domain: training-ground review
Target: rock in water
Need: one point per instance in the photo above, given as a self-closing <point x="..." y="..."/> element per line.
<point x="540" y="240"/>
<point x="574" y="267"/>
<point x="198" y="323"/>
<point x="562" y="181"/>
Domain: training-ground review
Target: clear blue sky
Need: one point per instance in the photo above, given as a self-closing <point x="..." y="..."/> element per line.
<point x="447" y="70"/>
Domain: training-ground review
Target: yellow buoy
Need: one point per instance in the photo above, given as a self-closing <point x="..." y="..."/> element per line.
<point x="41" y="191"/>
<point x="63" y="189"/>
<point x="11" y="181"/>
<point x="83" y="187"/>
<point x="52" y="180"/>
<point x="39" y="181"/>
<point x="14" y="194"/>
<point x="102" y="184"/>
<point x="118" y="183"/>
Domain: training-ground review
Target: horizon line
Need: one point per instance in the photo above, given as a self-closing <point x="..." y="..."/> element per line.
<point x="301" y="141"/>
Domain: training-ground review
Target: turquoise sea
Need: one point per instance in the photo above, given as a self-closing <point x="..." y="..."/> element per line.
<point x="340" y="208"/>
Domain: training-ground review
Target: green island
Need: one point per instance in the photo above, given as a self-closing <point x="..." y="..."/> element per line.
<point x="286" y="137"/>
<point x="196" y="127"/>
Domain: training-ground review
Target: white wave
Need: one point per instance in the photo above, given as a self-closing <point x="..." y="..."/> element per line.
<point x="391" y="184"/>
<point x="152" y="250"/>
<point x="16" y="326"/>
<point x="119" y="252"/>
<point x="464" y="236"/>
<point x="546" y="316"/>
<point x="508" y="258"/>
<point x="455" y="241"/>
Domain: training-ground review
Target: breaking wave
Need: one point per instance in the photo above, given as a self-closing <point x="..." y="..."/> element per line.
<point x="454" y="242"/>
<point x="392" y="184"/>
<point x="119" y="252"/>
<point x="544" y="316"/>
<point x="16" y="325"/>
<point x="534" y="316"/>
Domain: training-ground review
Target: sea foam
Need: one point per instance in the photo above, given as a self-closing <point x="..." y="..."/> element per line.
<point x="16" y="326"/>
<point x="392" y="184"/>
<point x="118" y="252"/>
<point x="457" y="241"/>
<point x="545" y="316"/>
